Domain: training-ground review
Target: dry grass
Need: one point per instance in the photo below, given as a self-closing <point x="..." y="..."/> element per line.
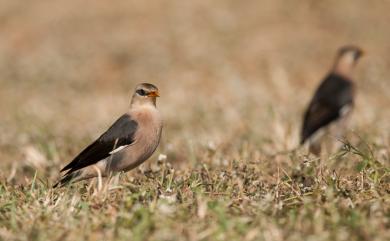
<point x="234" y="77"/>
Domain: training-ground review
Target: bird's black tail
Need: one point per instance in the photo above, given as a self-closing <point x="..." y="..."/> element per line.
<point x="67" y="178"/>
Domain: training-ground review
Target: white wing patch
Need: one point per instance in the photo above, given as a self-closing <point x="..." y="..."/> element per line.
<point x="118" y="149"/>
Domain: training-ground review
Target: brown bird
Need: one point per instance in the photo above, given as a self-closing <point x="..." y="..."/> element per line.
<point x="332" y="103"/>
<point x="130" y="141"/>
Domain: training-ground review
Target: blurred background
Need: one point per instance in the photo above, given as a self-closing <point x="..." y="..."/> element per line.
<point x="231" y="73"/>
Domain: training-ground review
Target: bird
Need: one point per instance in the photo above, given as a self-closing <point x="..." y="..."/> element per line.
<point x="329" y="110"/>
<point x="130" y="141"/>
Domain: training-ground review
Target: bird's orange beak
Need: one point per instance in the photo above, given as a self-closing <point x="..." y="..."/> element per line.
<point x="154" y="94"/>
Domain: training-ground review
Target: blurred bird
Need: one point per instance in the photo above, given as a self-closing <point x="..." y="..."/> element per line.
<point x="332" y="103"/>
<point x="130" y="141"/>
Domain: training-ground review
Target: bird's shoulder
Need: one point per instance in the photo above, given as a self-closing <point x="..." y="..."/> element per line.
<point x="334" y="84"/>
<point x="124" y="126"/>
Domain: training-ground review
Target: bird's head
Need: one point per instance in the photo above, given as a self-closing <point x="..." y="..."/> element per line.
<point x="145" y="93"/>
<point x="347" y="58"/>
<point x="350" y="52"/>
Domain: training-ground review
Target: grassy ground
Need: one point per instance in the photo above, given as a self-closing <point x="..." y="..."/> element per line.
<point x="234" y="79"/>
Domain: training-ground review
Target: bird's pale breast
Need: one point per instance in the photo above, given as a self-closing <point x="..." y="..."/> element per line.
<point x="146" y="139"/>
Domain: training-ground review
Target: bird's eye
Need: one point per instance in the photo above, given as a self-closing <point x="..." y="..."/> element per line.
<point x="141" y="92"/>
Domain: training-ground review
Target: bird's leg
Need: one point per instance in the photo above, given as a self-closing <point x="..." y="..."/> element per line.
<point x="315" y="149"/>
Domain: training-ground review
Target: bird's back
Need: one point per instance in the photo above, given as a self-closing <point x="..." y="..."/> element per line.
<point x="334" y="93"/>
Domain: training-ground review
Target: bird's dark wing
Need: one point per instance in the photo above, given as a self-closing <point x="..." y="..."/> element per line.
<point x="121" y="133"/>
<point x="334" y="93"/>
